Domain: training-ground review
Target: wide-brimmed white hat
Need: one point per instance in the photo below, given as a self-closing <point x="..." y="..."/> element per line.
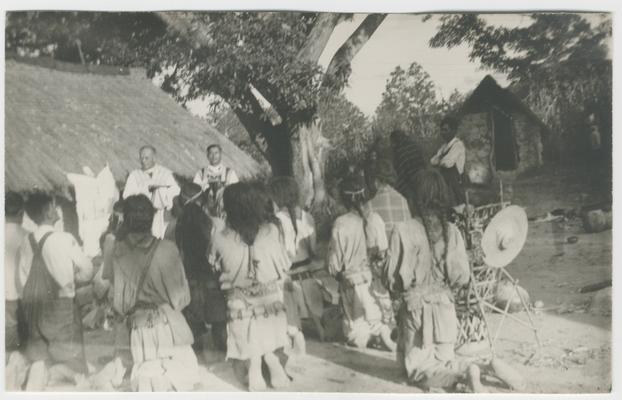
<point x="505" y="236"/>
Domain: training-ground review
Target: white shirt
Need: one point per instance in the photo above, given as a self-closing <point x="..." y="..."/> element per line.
<point x="14" y="234"/>
<point x="215" y="172"/>
<point x="138" y="182"/>
<point x="452" y="154"/>
<point x="302" y="245"/>
<point x="63" y="257"/>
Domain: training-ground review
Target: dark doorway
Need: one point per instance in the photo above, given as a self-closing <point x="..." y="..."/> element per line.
<point x="506" y="156"/>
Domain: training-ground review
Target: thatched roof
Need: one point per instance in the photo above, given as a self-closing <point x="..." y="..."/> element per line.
<point x="488" y="94"/>
<point x="57" y="122"/>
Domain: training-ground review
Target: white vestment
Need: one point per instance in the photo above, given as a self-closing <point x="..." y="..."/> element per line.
<point x="138" y="182"/>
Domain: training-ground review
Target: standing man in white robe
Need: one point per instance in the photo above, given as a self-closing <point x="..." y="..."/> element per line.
<point x="214" y="178"/>
<point x="157" y="183"/>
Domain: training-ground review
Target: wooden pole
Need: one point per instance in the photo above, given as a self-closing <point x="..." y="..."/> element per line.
<point x="481" y="303"/>
<point x="79" y="44"/>
<point x="467" y="217"/>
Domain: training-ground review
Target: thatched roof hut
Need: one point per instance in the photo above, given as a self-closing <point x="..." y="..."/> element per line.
<point x="58" y="121"/>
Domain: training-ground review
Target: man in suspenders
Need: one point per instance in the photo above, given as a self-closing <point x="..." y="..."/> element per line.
<point x="51" y="263"/>
<point x="214" y="178"/>
<point x="450" y="159"/>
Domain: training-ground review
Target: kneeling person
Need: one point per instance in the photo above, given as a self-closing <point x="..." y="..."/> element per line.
<point x="51" y="263"/>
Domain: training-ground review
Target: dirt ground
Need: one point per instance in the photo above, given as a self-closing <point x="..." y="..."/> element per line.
<point x="576" y="343"/>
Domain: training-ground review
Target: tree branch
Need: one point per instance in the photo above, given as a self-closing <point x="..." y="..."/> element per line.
<point x="254" y="127"/>
<point x="198" y="35"/>
<point x="339" y="69"/>
<point x="319" y="36"/>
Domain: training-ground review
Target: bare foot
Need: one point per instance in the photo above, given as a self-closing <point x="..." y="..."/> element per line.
<point x="256" y="383"/>
<point x="279" y="381"/>
<point x="473" y="375"/>
<point x="278" y="377"/>
<point x="300" y="346"/>
<point x="16" y="371"/>
<point x="82" y="383"/>
<point x="37" y="377"/>
<point x="385" y="335"/>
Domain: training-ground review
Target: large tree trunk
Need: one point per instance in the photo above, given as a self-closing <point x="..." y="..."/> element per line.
<point x="280" y="151"/>
<point x="310" y="149"/>
<point x="302" y="153"/>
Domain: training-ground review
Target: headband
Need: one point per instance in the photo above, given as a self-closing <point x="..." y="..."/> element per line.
<point x="355" y="192"/>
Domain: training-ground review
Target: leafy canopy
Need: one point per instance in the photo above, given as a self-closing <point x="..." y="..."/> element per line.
<point x="410" y="102"/>
<point x="241" y="49"/>
<point x="560" y="40"/>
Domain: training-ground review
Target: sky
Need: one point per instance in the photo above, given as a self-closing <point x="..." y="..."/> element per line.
<point x="400" y="40"/>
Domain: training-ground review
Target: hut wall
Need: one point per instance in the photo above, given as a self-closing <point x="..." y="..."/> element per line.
<point x="474" y="130"/>
<point x="529" y="142"/>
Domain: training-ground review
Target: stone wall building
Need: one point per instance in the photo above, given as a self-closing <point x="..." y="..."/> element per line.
<point x="502" y="136"/>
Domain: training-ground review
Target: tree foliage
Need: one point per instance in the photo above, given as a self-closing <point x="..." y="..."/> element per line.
<point x="411" y="103"/>
<point x="562" y="40"/>
<point x="344" y="126"/>
<point x="262" y="64"/>
<point x="558" y="64"/>
<point x="113" y="38"/>
<point x="348" y="131"/>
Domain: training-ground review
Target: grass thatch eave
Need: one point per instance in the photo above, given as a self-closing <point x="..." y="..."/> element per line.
<point x="56" y="122"/>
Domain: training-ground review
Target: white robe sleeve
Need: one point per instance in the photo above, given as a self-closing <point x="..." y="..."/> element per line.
<point x="232" y="177"/>
<point x="131" y="186"/>
<point x="171" y="191"/>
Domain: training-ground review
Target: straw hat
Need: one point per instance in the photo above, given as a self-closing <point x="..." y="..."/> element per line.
<point x="504" y="236"/>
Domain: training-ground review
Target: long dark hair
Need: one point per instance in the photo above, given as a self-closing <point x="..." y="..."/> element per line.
<point x="285" y="193"/>
<point x="138" y="213"/>
<point x="248" y="206"/>
<point x="432" y="199"/>
<point x="193" y="236"/>
<point x="354" y="195"/>
<point x="115" y="224"/>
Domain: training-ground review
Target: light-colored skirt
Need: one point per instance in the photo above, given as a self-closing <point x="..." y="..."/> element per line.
<point x="361" y="310"/>
<point x="160" y="364"/>
<point x="293" y="311"/>
<point x="257" y="324"/>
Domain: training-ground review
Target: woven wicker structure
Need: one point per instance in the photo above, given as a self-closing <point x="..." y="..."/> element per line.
<point x="471" y="319"/>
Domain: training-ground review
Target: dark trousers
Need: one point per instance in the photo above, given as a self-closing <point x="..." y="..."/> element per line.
<point x="57" y="336"/>
<point x="13" y="326"/>
<point x="454" y="180"/>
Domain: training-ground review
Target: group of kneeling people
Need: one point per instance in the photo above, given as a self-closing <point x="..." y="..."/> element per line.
<point x="238" y="274"/>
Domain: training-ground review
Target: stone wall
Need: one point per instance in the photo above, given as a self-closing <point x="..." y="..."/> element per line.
<point x="474" y="130"/>
<point x="529" y="140"/>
